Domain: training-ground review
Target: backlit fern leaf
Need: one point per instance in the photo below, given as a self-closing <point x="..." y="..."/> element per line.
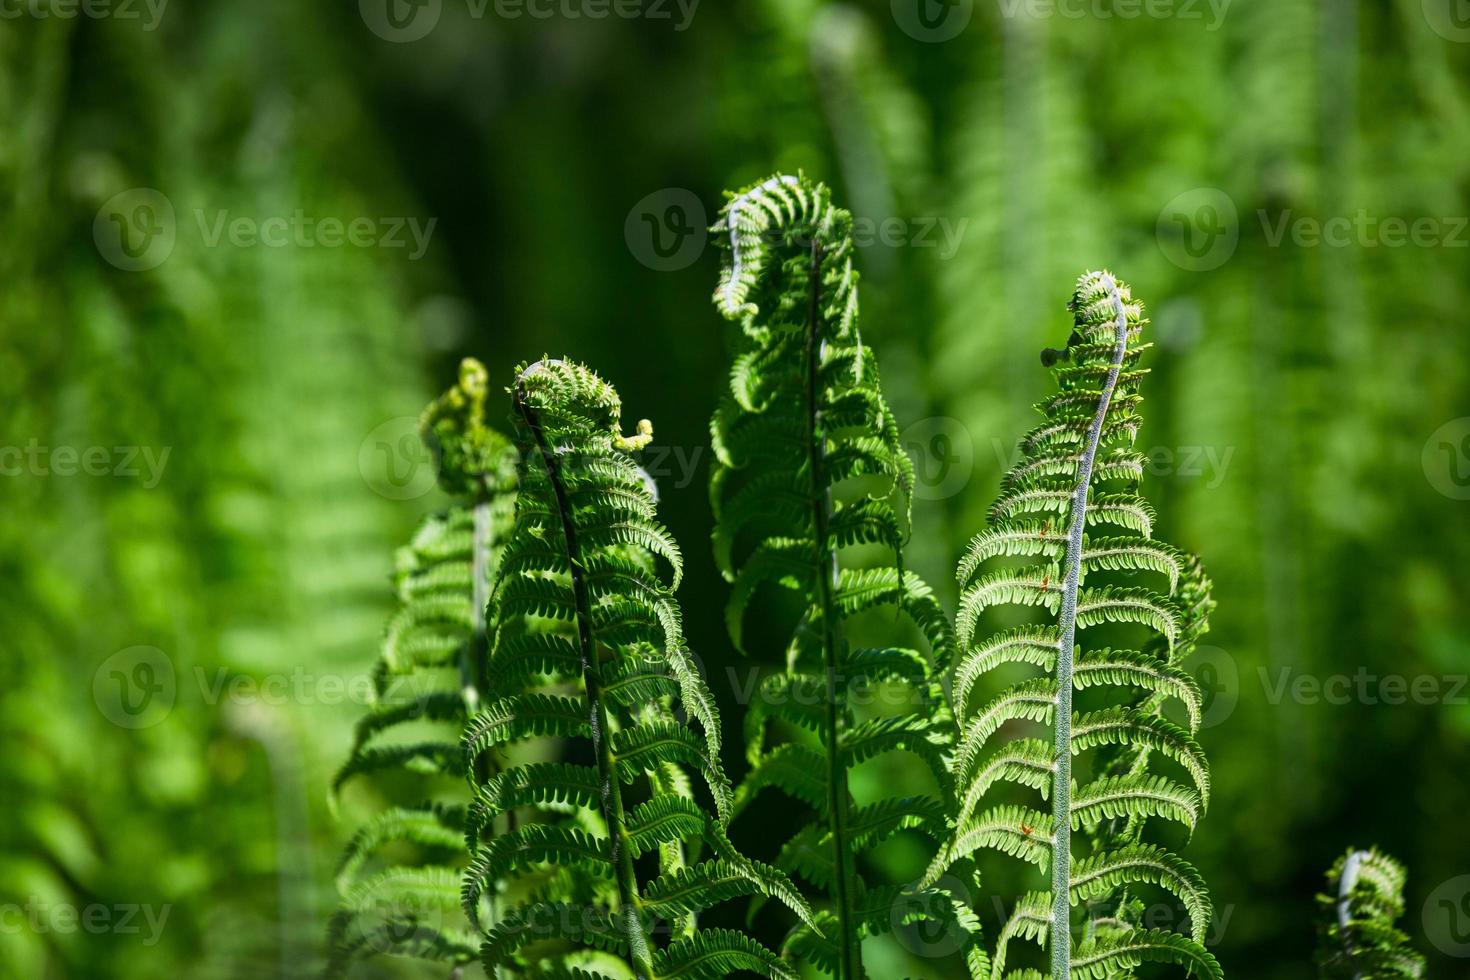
<point x="611" y="853"/>
<point x="1071" y="540"/>
<point x="430" y="674"/>
<point x="810" y="479"/>
<point x="1357" y="938"/>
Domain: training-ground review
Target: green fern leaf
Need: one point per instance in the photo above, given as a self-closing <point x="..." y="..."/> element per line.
<point x="434" y="645"/>
<point x="1070" y="544"/>
<point x="810" y="477"/>
<point x="1357" y="937"/>
<point x="589" y="650"/>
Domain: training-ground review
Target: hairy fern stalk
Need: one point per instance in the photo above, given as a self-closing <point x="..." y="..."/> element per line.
<point x="612" y="850"/>
<point x="1070" y="538"/>
<point x="810" y="477"/>
<point x="1357" y="936"/>
<point x="430" y="675"/>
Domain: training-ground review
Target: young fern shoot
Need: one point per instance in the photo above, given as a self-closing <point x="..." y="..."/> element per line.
<point x="1046" y="548"/>
<point x="1357" y="936"/>
<point x="808" y="468"/>
<point x="613" y="852"/>
<point x="433" y="652"/>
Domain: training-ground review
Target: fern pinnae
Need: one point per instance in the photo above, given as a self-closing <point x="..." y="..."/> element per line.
<point x="588" y="650"/>
<point x="1069" y="511"/>
<point x="809" y="466"/>
<point x="1357" y="935"/>
<point x="438" y="633"/>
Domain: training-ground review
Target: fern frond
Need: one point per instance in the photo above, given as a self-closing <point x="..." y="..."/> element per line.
<point x="1115" y="956"/>
<point x="435" y="644"/>
<point x="589" y="651"/>
<point x="400" y="912"/>
<point x="1070" y="544"/>
<point x="1357" y="937"/>
<point x="810" y="480"/>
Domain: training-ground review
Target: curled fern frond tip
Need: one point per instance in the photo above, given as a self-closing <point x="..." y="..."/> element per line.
<point x="471" y="457"/>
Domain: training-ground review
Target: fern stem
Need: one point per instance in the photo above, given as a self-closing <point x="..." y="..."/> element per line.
<point x="611" y="785"/>
<point x="1346" y="882"/>
<point x="849" y="957"/>
<point x="472" y="657"/>
<point x="1061" y="917"/>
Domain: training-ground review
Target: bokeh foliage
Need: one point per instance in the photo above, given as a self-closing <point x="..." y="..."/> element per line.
<point x="1316" y="376"/>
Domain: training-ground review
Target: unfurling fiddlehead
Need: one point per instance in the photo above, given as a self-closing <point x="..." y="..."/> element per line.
<point x="1068" y="515"/>
<point x="612" y="853"/>
<point x="1357" y="938"/>
<point x="430" y="672"/>
<point x="810" y="472"/>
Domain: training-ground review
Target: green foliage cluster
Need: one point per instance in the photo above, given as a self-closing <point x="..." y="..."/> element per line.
<point x="809" y="475"/>
<point x="584" y="713"/>
<point x="1357" y="937"/>
<point x="1316" y="375"/>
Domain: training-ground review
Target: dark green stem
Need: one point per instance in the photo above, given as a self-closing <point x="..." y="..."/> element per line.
<point x="612" y="793"/>
<point x="849" y="957"/>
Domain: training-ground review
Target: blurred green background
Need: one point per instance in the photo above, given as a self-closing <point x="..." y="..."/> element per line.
<point x="1308" y="411"/>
